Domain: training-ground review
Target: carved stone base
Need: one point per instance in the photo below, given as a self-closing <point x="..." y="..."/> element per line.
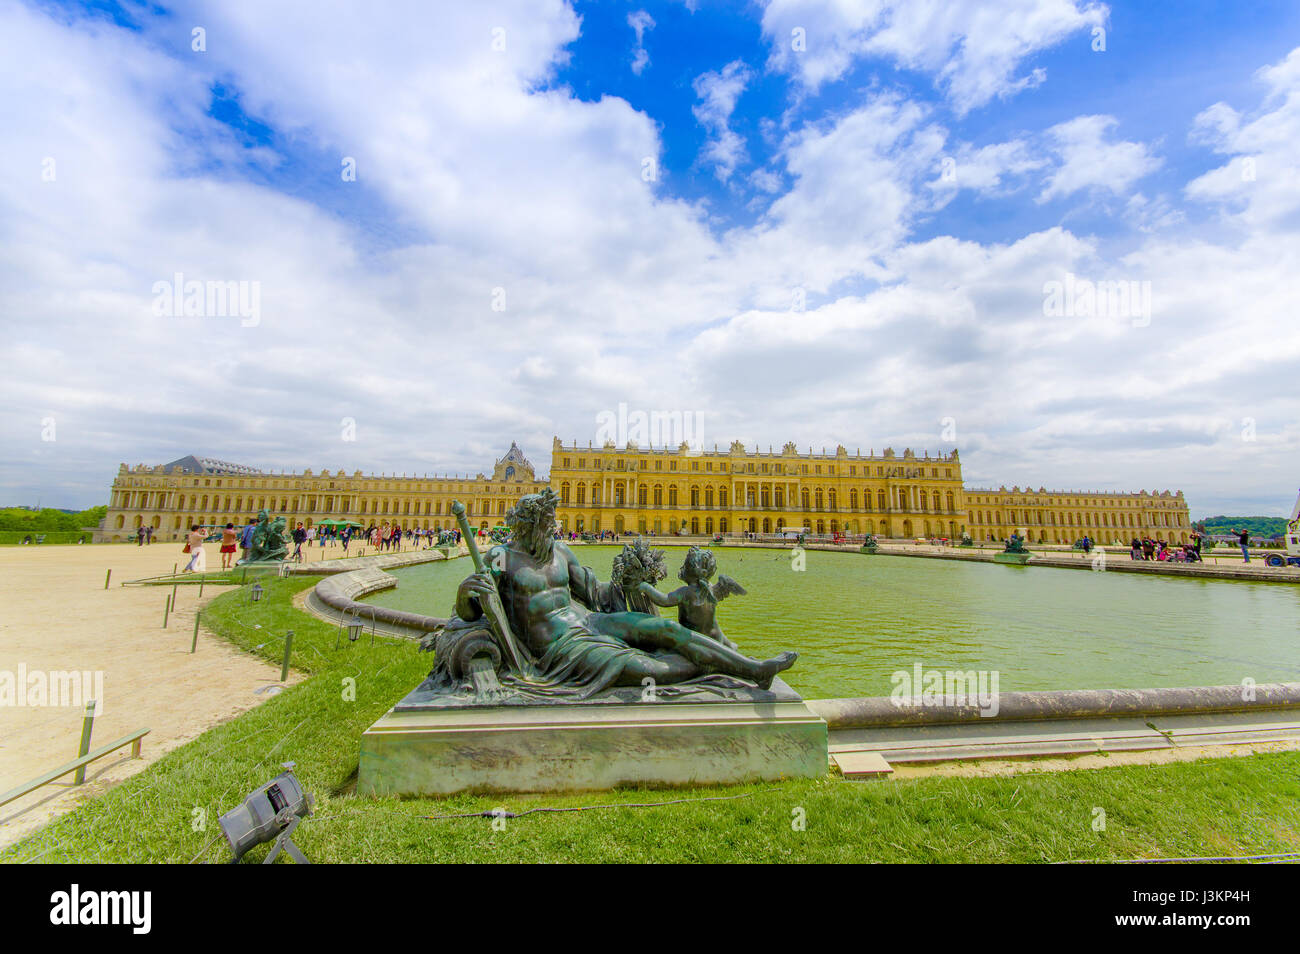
<point x="576" y="747"/>
<point x="1011" y="558"/>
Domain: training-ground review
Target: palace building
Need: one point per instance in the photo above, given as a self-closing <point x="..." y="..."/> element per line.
<point x="664" y="491"/>
<point x="199" y="490"/>
<point x="678" y="490"/>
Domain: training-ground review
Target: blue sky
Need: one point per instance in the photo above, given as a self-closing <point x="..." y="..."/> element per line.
<point x="915" y="175"/>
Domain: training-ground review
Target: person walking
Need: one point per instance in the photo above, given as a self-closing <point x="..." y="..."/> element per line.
<point x="194" y="547"/>
<point x="139" y="535"/>
<point x="229" y="537"/>
<point x="299" y="535"/>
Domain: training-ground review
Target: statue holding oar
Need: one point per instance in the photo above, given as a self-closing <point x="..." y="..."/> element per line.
<point x="533" y="611"/>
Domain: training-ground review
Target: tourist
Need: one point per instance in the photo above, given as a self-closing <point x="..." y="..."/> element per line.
<point x="1243" y="541"/>
<point x="345" y="537"/>
<point x="194" y="547"/>
<point x="311" y="536"/>
<point x="148" y="534"/>
<point x="1135" y="549"/>
<point x="299" y="535"/>
<point x="139" y="535"/>
<point x="246" y="538"/>
<point x="229" y="537"/>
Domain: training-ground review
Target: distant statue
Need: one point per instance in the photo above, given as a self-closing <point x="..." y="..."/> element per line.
<point x="268" y="544"/>
<point x="697" y="601"/>
<point x="1016" y="544"/>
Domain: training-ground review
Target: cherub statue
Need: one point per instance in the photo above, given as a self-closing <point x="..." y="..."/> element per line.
<point x="697" y="601"/>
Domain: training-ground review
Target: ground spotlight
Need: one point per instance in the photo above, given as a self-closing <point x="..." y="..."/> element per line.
<point x="270" y="813"/>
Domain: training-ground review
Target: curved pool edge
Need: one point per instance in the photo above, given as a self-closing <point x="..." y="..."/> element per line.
<point x="336" y="598"/>
<point x="887" y="711"/>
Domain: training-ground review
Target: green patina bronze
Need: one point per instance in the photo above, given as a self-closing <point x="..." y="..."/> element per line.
<point x="268" y="544"/>
<point x="697" y="601"/>
<point x="869" y="545"/>
<point x="532" y="621"/>
<point x="1014" y="553"/>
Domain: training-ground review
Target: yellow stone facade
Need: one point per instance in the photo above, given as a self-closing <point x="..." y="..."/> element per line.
<point x="664" y="491"/>
<point x="1059" y="516"/>
<point x="737" y="490"/>
<point x="173" y="497"/>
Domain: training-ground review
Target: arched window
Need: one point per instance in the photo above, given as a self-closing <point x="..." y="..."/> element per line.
<point x="564" y="493"/>
<point x="672" y="496"/>
<point x="708" y="496"/>
<point x="582" y="494"/>
<point x="880" y="500"/>
<point x="722" y="502"/>
<point x="695" y="497"/>
<point x="803" y="498"/>
<point x="659" y="495"/>
<point x="853" y="500"/>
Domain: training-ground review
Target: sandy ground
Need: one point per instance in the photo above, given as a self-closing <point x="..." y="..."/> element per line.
<point x="55" y="615"/>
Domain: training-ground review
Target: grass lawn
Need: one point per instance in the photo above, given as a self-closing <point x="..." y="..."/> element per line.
<point x="168" y="812"/>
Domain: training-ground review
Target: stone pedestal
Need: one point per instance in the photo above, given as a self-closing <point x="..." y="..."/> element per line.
<point x="1012" y="558"/>
<point x="427" y="746"/>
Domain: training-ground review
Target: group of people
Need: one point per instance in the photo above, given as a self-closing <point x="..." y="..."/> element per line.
<point x="143" y="535"/>
<point x="1147" y="548"/>
<point x="386" y="537"/>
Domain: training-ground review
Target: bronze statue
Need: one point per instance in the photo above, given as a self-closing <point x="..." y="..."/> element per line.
<point x="697" y="601"/>
<point x="534" y="616"/>
<point x="268" y="544"/>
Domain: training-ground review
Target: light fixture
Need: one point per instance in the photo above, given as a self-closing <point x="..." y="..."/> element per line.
<point x="256" y="592"/>
<point x="355" y="627"/>
<point x="270" y="813"/>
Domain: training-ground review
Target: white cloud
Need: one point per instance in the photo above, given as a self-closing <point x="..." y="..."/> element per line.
<point x="971" y="47"/>
<point x="1090" y="159"/>
<point x="987" y="170"/>
<point x="718" y="92"/>
<point x="1261" y="181"/>
<point x="474" y="173"/>
<point x="640" y="22"/>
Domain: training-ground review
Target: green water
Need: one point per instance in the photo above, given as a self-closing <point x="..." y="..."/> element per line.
<point x="857" y="619"/>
